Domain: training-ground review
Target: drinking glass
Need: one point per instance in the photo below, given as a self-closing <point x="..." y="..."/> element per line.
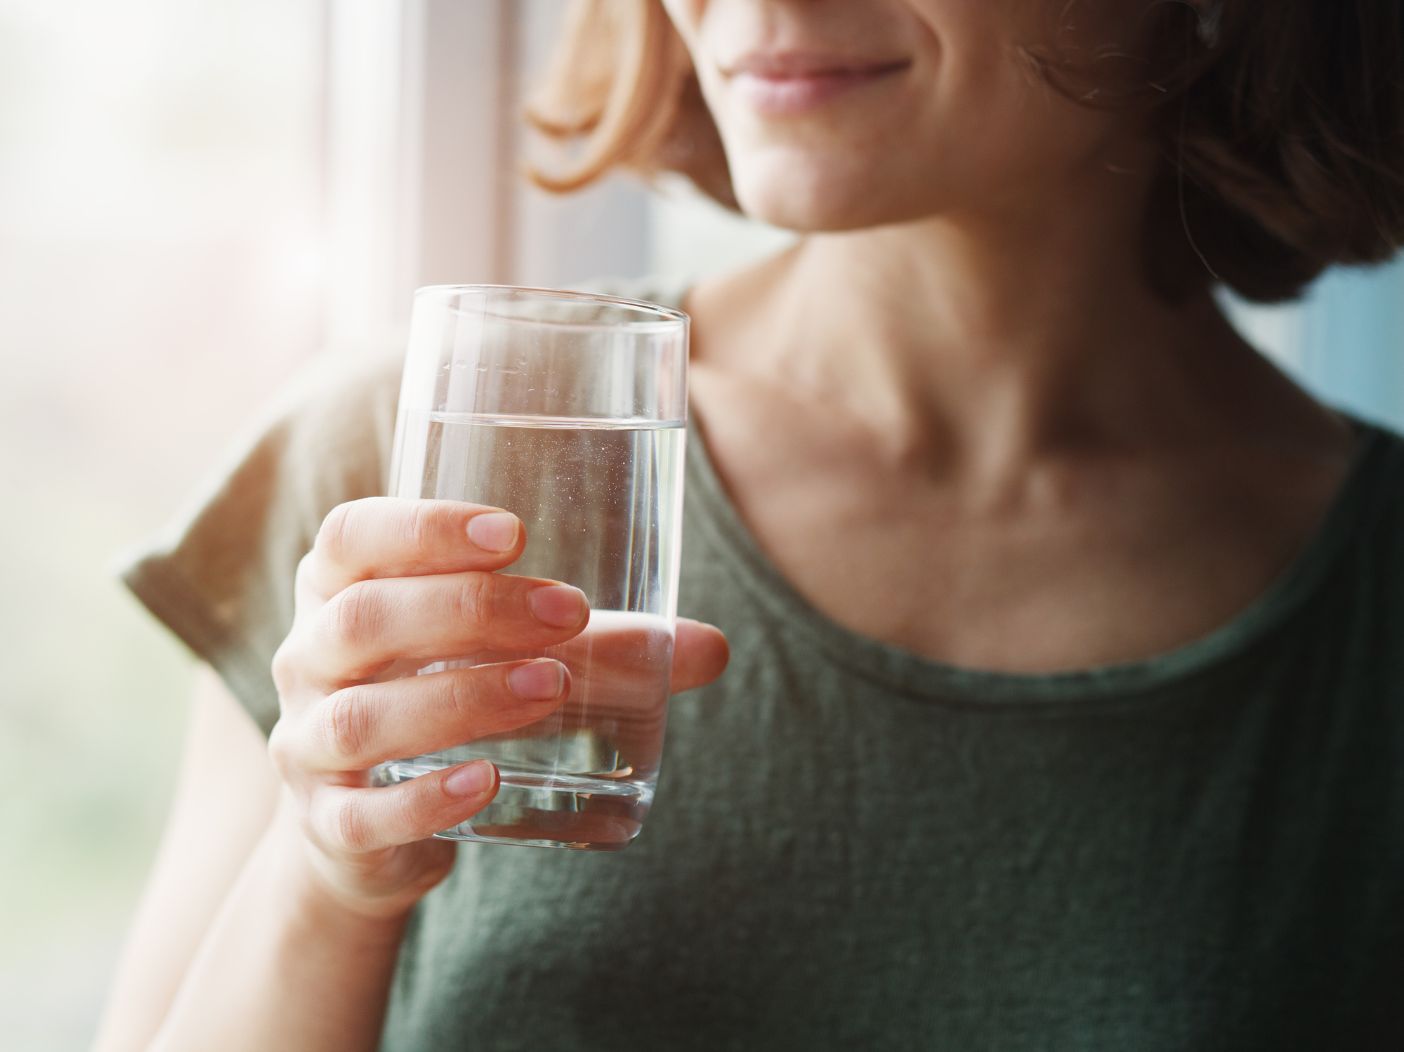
<point x="569" y="410"/>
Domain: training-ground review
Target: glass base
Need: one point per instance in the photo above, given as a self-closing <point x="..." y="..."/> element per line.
<point x="532" y="809"/>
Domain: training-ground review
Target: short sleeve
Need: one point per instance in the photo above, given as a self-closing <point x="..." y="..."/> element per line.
<point x="221" y="577"/>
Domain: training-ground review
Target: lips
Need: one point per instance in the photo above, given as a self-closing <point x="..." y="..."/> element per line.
<point x="780" y="83"/>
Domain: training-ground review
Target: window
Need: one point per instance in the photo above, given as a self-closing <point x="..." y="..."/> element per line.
<point x="1344" y="341"/>
<point x="159" y="270"/>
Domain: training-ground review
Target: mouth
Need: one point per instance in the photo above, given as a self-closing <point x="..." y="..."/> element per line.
<point x="793" y="82"/>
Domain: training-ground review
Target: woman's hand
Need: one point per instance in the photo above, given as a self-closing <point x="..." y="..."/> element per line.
<point x="393" y="584"/>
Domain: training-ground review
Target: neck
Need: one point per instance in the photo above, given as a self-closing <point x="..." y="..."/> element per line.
<point x="992" y="337"/>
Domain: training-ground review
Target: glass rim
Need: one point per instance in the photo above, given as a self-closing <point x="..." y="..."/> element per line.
<point x="660" y="319"/>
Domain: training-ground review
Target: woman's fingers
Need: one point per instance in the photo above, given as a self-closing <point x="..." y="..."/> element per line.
<point x="360" y="726"/>
<point x="623" y="650"/>
<point x="700" y="655"/>
<point x="354" y="821"/>
<point x="370" y="624"/>
<point x="397" y="537"/>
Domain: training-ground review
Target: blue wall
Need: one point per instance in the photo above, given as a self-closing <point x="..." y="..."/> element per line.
<point x="1350" y="341"/>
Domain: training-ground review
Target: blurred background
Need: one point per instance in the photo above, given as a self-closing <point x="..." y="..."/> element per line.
<point x="193" y="199"/>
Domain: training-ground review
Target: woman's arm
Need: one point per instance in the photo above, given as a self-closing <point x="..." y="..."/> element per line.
<point x="224" y="799"/>
<point x="233" y="946"/>
<point x="284" y="965"/>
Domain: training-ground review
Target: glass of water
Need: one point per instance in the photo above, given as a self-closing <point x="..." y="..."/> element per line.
<point x="568" y="410"/>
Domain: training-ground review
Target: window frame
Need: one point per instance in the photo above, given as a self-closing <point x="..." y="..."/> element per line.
<point x="423" y="147"/>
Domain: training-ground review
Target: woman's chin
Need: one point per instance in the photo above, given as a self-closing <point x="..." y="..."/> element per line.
<point x="814" y="194"/>
<point x="792" y="207"/>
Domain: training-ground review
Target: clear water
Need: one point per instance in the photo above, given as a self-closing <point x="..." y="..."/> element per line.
<point x="599" y="500"/>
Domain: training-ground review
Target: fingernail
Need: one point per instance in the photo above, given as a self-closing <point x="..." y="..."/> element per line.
<point x="471" y="779"/>
<point x="538" y="681"/>
<point x="558" y="605"/>
<point x="494" y="531"/>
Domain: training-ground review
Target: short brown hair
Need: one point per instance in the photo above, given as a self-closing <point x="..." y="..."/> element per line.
<point x="1282" y="130"/>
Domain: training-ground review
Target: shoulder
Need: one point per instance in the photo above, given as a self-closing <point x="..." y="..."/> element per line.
<point x="1379" y="484"/>
<point x="341" y="404"/>
<point x="220" y="574"/>
<point x="1361" y="540"/>
<point x="326" y="432"/>
<point x="1365" y="589"/>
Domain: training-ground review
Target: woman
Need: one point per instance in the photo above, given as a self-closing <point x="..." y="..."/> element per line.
<point x="1064" y="701"/>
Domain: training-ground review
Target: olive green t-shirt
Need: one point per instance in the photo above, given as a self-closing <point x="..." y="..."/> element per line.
<point x="856" y="848"/>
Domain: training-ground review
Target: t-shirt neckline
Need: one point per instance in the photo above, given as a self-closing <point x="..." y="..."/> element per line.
<point x="916" y="675"/>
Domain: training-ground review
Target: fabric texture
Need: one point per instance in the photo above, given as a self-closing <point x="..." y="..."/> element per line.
<point x="854" y="847"/>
